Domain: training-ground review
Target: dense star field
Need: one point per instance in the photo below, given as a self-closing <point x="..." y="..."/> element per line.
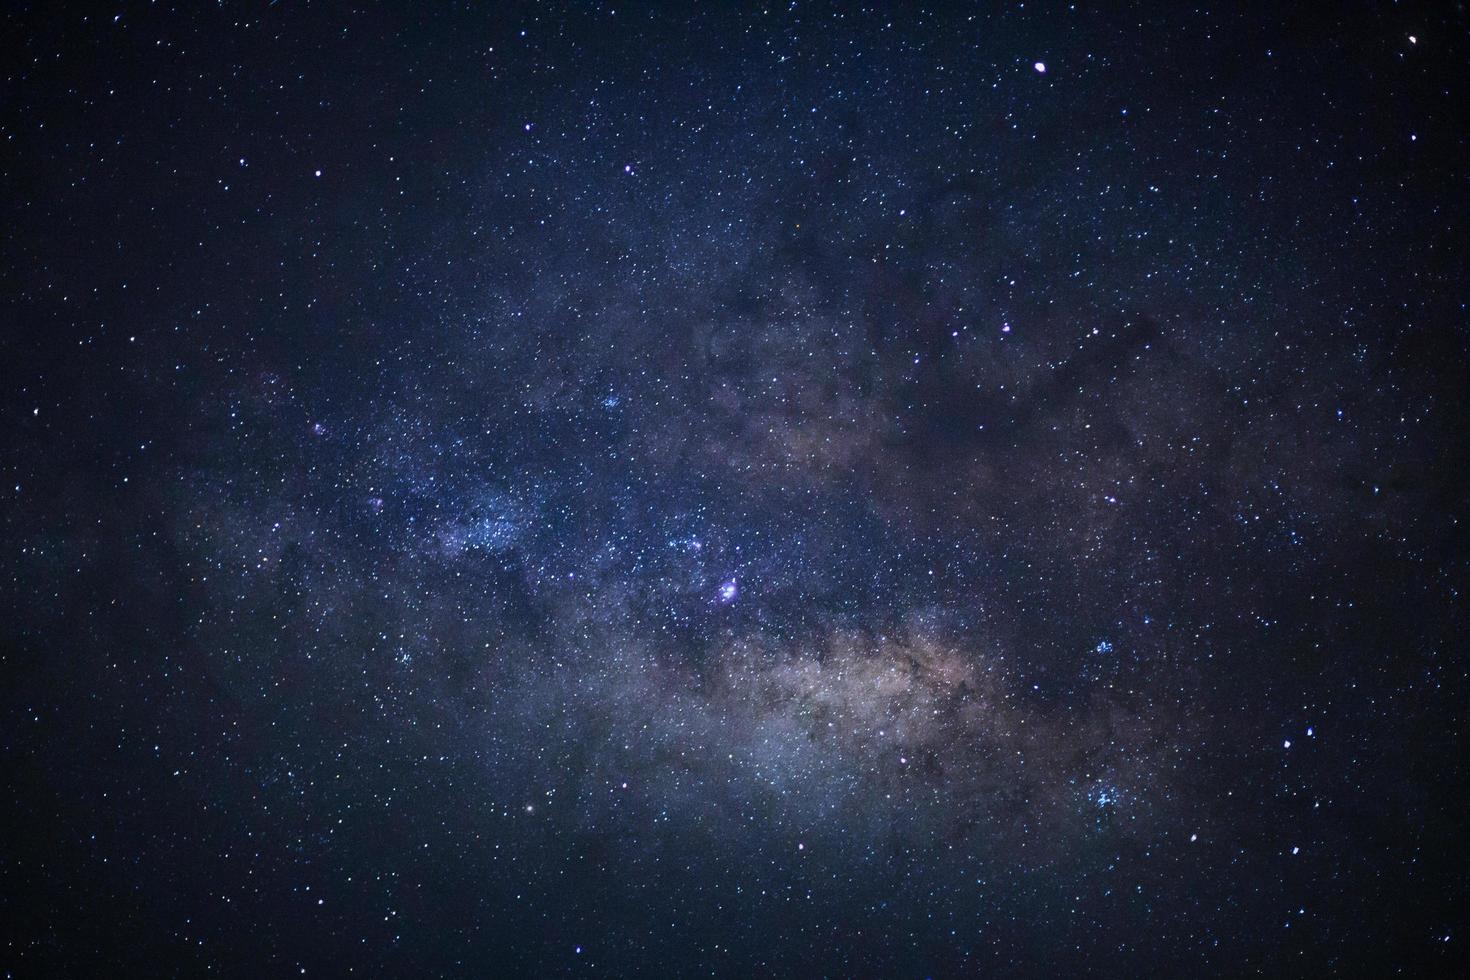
<point x="722" y="489"/>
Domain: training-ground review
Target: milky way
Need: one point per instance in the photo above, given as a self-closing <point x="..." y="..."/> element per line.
<point x="803" y="490"/>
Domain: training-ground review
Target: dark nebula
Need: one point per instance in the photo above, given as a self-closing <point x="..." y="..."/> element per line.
<point x="734" y="490"/>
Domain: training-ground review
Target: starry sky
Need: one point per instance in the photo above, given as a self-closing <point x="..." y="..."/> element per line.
<point x="804" y="489"/>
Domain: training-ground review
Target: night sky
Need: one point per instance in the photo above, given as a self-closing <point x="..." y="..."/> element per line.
<point x="722" y="489"/>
